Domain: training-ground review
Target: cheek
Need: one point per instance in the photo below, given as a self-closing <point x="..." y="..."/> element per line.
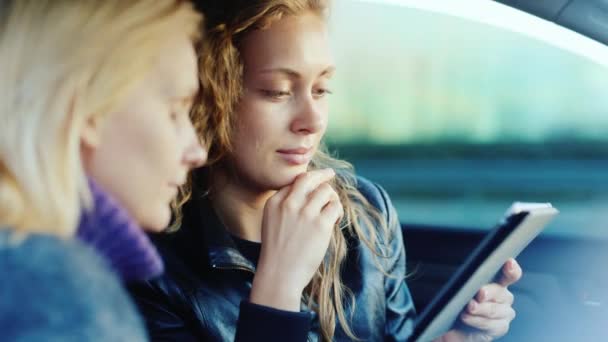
<point x="247" y="144"/>
<point x="155" y="140"/>
<point x="146" y="192"/>
<point x="135" y="162"/>
<point x="256" y="129"/>
<point x="324" y="110"/>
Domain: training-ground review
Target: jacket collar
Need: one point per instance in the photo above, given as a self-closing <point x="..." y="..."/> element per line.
<point x="219" y="245"/>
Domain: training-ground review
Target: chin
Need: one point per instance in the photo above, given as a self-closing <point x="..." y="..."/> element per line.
<point x="283" y="179"/>
<point x="158" y="222"/>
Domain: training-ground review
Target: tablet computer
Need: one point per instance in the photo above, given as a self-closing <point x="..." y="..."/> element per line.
<point x="521" y="224"/>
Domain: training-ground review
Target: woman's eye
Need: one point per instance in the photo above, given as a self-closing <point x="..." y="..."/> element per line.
<point x="321" y="92"/>
<point x="275" y="94"/>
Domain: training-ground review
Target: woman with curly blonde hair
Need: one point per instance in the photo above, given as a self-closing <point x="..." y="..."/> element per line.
<point x="272" y="219"/>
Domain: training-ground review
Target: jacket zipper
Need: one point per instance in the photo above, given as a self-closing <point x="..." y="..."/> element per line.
<point x="233" y="268"/>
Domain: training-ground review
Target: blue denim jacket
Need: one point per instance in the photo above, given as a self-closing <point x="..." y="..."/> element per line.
<point x="60" y="290"/>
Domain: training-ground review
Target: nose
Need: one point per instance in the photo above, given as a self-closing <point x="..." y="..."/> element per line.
<point x="195" y="154"/>
<point x="310" y="118"/>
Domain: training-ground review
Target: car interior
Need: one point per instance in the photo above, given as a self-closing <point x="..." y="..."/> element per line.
<point x="564" y="291"/>
<point x="563" y="295"/>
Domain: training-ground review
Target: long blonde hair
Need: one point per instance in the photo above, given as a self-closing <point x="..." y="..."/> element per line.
<point x="221" y="71"/>
<point x="62" y="63"/>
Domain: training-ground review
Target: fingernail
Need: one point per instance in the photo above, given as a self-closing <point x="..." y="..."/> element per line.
<point x="482" y="295"/>
<point x="472" y="307"/>
<point x="511" y="267"/>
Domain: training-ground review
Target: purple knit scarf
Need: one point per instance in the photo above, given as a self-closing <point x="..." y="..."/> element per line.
<point x="115" y="235"/>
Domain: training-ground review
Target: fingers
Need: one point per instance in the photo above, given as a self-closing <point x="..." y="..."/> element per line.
<point x="319" y="198"/>
<point x="492" y="319"/>
<point x="333" y="212"/>
<point x="278" y="197"/>
<point x="307" y="182"/>
<point x="511" y="273"/>
<point x="490" y="310"/>
<point x="494" y="293"/>
<point x="490" y="327"/>
<point x="324" y="201"/>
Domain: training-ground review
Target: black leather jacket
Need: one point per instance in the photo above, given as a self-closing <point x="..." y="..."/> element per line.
<point x="207" y="278"/>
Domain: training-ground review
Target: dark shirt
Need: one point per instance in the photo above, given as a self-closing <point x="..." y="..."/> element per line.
<point x="249" y="249"/>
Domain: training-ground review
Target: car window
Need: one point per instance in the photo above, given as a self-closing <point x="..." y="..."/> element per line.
<point x="457" y="118"/>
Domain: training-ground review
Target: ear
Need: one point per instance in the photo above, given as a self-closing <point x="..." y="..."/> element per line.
<point x="90" y="135"/>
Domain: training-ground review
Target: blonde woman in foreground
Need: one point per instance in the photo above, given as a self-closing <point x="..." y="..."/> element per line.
<point x="95" y="139"/>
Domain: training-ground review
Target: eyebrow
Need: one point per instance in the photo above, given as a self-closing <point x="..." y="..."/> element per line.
<point x="294" y="74"/>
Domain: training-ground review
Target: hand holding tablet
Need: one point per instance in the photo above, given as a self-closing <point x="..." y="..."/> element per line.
<point x="521" y="224"/>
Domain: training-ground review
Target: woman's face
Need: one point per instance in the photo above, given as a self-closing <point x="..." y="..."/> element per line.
<point x="141" y="152"/>
<point x="282" y="115"/>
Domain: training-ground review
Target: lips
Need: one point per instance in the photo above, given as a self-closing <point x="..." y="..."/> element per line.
<point x="298" y="150"/>
<point x="296" y="156"/>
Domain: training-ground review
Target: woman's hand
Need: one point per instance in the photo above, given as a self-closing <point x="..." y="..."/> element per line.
<point x="296" y="230"/>
<point x="490" y="313"/>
